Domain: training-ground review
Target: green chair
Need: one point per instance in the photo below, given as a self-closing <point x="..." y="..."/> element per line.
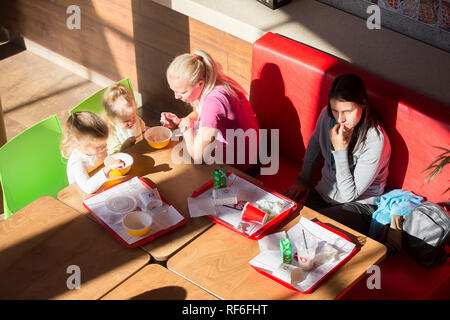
<point x="31" y="165"/>
<point x="94" y="102"/>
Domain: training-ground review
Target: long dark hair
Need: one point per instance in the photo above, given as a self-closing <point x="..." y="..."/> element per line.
<point x="350" y="88"/>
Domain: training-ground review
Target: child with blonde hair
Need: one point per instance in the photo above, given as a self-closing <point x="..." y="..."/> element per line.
<point x="219" y="104"/>
<point x="84" y="143"/>
<point x="126" y="126"/>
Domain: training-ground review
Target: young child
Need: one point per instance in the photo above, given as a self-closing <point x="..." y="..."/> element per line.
<point x="84" y="143"/>
<point x="219" y="106"/>
<point x="126" y="126"/>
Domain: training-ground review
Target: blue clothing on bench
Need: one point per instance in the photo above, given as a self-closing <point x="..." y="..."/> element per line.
<point x="396" y="202"/>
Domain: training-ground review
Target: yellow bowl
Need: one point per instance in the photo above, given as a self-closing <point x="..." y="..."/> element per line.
<point x="125" y="157"/>
<point x="137" y="223"/>
<point x="158" y="137"/>
<point x="113" y="182"/>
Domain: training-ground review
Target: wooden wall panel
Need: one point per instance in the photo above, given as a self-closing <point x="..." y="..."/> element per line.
<point x="221" y="39"/>
<point x="127" y="38"/>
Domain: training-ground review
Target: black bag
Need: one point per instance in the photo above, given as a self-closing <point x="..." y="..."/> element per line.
<point x="425" y="233"/>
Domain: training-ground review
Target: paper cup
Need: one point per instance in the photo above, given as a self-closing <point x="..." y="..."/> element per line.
<point x="150" y="199"/>
<point x="225" y="196"/>
<point x="253" y="214"/>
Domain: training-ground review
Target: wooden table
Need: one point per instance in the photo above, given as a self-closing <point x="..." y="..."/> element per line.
<point x="155" y="282"/>
<point x="175" y="181"/>
<point x="39" y="243"/>
<point x="218" y="261"/>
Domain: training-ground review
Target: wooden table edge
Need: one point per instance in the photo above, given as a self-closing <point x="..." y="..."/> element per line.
<point x="166" y="258"/>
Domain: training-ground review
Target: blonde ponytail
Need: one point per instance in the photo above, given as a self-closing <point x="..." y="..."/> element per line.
<point x="82" y="124"/>
<point x="114" y="93"/>
<point x="201" y="66"/>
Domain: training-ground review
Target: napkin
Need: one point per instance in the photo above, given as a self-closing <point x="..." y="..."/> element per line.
<point x="271" y="242"/>
<point x="201" y="207"/>
<point x="330" y="248"/>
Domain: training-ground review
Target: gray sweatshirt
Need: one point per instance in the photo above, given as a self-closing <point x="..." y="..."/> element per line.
<point x="359" y="177"/>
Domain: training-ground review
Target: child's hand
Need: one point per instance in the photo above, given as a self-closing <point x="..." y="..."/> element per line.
<point x="128" y="143"/>
<point x="114" y="165"/>
<point x="170" y="120"/>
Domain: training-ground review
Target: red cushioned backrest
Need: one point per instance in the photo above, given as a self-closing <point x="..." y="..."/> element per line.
<point x="290" y="84"/>
<point x="287" y="90"/>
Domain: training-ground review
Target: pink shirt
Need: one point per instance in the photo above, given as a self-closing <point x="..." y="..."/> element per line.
<point x="223" y="111"/>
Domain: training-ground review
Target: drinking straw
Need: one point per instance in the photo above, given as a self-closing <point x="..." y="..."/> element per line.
<point x="231" y="207"/>
<point x="304" y="239"/>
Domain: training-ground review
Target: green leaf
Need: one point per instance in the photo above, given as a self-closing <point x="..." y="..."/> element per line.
<point x="446" y="190"/>
<point x="442" y="148"/>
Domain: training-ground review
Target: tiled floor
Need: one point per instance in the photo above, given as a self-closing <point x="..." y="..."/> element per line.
<point x="33" y="88"/>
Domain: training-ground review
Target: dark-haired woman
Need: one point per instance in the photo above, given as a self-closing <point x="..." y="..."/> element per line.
<point x="356" y="153"/>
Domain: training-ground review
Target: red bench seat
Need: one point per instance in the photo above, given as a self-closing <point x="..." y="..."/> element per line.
<point x="289" y="88"/>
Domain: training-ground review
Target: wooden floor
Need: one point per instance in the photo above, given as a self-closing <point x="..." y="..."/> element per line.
<point x="33" y="88"/>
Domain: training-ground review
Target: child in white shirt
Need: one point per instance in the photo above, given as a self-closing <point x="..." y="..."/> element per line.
<point x="84" y="144"/>
<point x="126" y="127"/>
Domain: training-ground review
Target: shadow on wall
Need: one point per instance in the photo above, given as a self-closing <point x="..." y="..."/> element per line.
<point x="160" y="34"/>
<point x="274" y="110"/>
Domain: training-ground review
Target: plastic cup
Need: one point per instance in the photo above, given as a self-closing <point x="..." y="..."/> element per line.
<point x="253" y="214"/>
<point x="151" y="199"/>
<point x="306" y="258"/>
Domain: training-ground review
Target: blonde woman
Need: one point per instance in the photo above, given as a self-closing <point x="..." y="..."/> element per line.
<point x="220" y="107"/>
<point x="84" y="143"/>
<point x="120" y="108"/>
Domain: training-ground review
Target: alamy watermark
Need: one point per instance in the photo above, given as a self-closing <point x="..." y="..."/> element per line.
<point x="74" y="280"/>
<point x="374" y="281"/>
<point x="239" y="143"/>
<point x="74" y="20"/>
<point x="374" y="20"/>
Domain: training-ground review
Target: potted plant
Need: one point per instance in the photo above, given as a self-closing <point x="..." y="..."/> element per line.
<point x="436" y="168"/>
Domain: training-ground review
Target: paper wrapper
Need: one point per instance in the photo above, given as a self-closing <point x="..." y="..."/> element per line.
<point x="289" y="273"/>
<point x="225" y="196"/>
<point x="271" y="241"/>
<point x="247" y="192"/>
<point x="199" y="207"/>
<point x="163" y="217"/>
<point x="330" y="250"/>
